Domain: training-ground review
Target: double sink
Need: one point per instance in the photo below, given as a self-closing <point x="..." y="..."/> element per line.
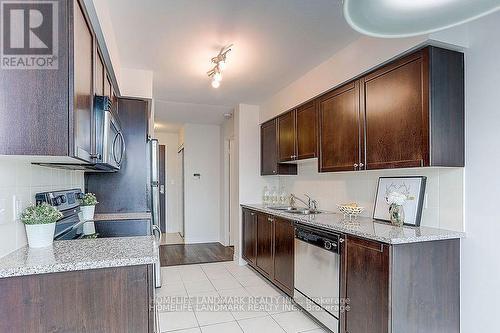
<point x="295" y="210"/>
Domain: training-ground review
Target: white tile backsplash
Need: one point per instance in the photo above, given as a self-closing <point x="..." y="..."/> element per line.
<point x="445" y="205"/>
<point x="19" y="181"/>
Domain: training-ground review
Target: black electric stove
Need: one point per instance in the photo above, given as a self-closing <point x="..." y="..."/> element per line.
<point x="67" y="202"/>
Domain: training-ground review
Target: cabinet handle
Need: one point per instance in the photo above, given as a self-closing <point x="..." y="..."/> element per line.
<point x="274" y="171"/>
<point x="341" y="240"/>
<point x="252" y="214"/>
<point x="361" y="165"/>
<point x="355" y="165"/>
<point x="270" y="219"/>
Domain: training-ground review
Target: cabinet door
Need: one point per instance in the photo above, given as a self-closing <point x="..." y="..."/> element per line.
<point x="268" y="148"/>
<point x="286" y="137"/>
<point x="284" y="236"/>
<point x="265" y="244"/>
<point x="99" y="75"/>
<point x="340" y="129"/>
<point x="397" y="114"/>
<point x="83" y="84"/>
<point x="249" y="236"/>
<point x="367" y="286"/>
<point x="307" y="133"/>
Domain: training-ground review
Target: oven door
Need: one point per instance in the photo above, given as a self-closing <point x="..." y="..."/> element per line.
<point x="113" y="142"/>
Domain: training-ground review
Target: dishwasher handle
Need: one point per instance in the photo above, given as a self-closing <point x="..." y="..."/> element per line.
<point x="327" y="241"/>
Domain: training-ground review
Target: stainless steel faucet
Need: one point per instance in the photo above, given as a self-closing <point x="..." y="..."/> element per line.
<point x="310" y="204"/>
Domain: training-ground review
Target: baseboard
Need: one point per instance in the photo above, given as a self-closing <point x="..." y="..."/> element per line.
<point x="199" y="241"/>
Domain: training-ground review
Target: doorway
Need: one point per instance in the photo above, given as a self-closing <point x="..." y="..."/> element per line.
<point x="181" y="196"/>
<point x="161" y="179"/>
<point x="230" y="232"/>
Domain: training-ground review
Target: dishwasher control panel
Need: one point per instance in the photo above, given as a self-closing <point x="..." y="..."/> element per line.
<point x="327" y="241"/>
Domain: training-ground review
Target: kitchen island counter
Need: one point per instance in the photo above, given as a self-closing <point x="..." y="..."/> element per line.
<point x="81" y="254"/>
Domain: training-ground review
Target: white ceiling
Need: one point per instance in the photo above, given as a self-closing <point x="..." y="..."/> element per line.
<point x="275" y="42"/>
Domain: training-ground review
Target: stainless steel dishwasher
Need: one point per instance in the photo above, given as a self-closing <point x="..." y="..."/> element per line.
<point x="317" y="274"/>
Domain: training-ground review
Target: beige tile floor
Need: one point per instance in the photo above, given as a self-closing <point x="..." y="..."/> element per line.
<point x="225" y="298"/>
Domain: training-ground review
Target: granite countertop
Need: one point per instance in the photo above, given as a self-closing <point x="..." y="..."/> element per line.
<point x="81" y="254"/>
<point x="122" y="216"/>
<point x="365" y="227"/>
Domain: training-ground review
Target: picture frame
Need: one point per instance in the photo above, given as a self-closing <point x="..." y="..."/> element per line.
<point x="412" y="186"/>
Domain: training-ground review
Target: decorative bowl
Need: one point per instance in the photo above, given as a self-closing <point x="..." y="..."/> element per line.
<point x="350" y="210"/>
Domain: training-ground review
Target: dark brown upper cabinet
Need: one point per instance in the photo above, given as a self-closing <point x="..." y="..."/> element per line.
<point x="307" y="131"/>
<point x="83" y="59"/>
<point x="414" y="111"/>
<point x="340" y="129"/>
<point x="99" y="74"/>
<point x="49" y="112"/>
<point x="287" y="144"/>
<point x="297" y="133"/>
<point x="269" y="151"/>
<point x="408" y="113"/>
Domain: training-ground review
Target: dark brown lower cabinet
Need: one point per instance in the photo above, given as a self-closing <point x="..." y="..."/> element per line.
<point x="264" y="260"/>
<point x="249" y="236"/>
<point x="100" y="301"/>
<point x="284" y="235"/>
<point x="367" y="286"/>
<point x="407" y="288"/>
<point x="268" y="247"/>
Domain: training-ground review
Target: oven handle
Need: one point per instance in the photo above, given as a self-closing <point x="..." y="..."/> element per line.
<point x="65" y="231"/>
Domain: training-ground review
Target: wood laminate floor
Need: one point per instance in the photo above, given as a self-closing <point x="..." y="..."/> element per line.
<point x="184" y="254"/>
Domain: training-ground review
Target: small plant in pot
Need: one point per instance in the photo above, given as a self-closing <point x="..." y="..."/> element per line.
<point x="40" y="222"/>
<point x="87" y="206"/>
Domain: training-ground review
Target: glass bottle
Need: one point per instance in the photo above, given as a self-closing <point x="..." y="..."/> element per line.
<point x="274" y="196"/>
<point x="265" y="196"/>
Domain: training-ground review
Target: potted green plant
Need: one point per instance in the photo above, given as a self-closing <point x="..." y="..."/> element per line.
<point x="40" y="222"/>
<point x="87" y="206"/>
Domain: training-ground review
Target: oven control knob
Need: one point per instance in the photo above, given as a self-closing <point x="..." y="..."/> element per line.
<point x="57" y="201"/>
<point x="63" y="198"/>
<point x="79" y="195"/>
<point x="328" y="245"/>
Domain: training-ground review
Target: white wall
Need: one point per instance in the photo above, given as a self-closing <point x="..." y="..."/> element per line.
<point x="247" y="148"/>
<point x="443" y="206"/>
<point x="19" y="181"/>
<point x="480" y="255"/>
<point x="136" y="83"/>
<point x="355" y="59"/>
<point x="202" y="154"/>
<point x="227" y="171"/>
<point x="172" y="181"/>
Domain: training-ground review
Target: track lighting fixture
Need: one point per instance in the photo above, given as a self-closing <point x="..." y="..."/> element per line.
<point x="219" y="62"/>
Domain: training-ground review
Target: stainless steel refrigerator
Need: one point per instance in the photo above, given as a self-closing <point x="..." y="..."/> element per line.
<point x="155" y="202"/>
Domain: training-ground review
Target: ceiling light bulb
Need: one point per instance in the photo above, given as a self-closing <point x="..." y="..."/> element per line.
<point x="222" y="65"/>
<point x="215" y="84"/>
<point x="218" y="76"/>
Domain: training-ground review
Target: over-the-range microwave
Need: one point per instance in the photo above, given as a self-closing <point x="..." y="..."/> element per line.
<point x="109" y="148"/>
<point x="109" y="140"/>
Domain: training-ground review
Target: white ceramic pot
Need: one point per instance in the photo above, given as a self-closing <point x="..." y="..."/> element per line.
<point x="40" y="235"/>
<point x="87" y="212"/>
